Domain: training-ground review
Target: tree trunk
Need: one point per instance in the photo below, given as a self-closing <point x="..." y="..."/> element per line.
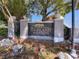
<point x="44" y="17"/>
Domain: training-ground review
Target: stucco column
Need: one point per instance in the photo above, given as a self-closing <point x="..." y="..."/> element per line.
<point x="11" y="27"/>
<point x="23" y="29"/>
<point x="59" y="28"/>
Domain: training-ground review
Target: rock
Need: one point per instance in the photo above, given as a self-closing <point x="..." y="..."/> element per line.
<point x="61" y="55"/>
<point x="6" y="42"/>
<point x="17" y="49"/>
<point x="64" y="55"/>
<point x="73" y="53"/>
<point x="67" y="56"/>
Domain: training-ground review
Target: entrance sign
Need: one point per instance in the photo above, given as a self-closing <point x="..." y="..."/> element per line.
<point x="41" y="30"/>
<point x="46" y="30"/>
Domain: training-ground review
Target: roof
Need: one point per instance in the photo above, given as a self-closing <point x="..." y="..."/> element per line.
<point x="68" y="19"/>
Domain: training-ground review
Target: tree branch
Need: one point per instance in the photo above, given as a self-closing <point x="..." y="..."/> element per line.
<point x="5" y="10"/>
<point x="5" y="14"/>
<point x="4" y="5"/>
<point x="51" y="11"/>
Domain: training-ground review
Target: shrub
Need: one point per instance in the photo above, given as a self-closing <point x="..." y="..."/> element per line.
<point x="3" y="32"/>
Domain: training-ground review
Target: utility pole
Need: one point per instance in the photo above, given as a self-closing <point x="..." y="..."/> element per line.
<point x="73" y="23"/>
<point x="73" y="51"/>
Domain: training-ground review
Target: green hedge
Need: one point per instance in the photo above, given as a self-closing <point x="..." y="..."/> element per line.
<point x="3" y="32"/>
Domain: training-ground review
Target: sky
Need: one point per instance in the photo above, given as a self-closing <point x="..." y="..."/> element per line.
<point x="36" y="18"/>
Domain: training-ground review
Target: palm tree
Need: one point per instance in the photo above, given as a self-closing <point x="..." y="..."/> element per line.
<point x="17" y="8"/>
<point x="11" y="8"/>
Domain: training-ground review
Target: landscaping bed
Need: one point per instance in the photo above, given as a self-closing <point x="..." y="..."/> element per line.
<point x="33" y="49"/>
